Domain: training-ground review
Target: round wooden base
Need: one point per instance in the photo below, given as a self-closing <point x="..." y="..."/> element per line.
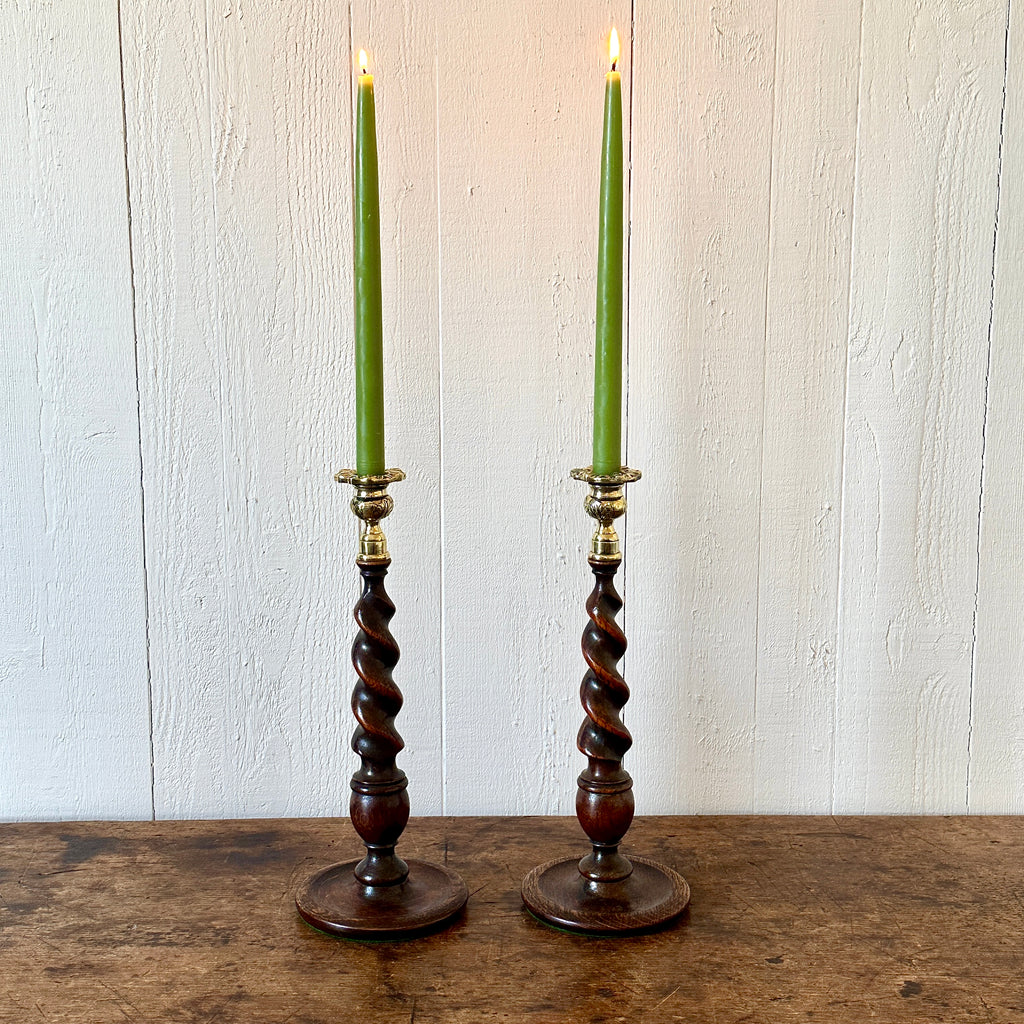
<point x="651" y="896"/>
<point x="334" y="901"/>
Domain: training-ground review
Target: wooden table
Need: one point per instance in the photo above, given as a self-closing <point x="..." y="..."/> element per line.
<point x="792" y="919"/>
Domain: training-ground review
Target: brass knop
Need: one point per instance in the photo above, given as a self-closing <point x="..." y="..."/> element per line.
<point x="371" y="504"/>
<point x="606" y="502"/>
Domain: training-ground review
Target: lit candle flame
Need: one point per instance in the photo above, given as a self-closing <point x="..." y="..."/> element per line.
<point x="363" y="61"/>
<point x="613" y="48"/>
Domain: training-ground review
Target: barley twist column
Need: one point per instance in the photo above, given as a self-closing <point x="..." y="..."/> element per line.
<point x="379" y="896"/>
<point x="605" y="892"/>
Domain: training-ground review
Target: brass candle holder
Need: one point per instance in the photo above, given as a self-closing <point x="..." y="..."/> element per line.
<point x="380" y="896"/>
<point x="605" y="892"/>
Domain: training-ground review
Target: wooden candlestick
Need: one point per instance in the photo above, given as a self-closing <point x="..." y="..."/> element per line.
<point x="605" y="892"/>
<point x="380" y="896"/>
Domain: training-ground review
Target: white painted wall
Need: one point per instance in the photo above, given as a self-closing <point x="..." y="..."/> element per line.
<point x="824" y="578"/>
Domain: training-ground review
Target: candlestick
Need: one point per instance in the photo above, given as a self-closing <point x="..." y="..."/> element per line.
<point x="605" y="892"/>
<point x="380" y="896"/>
<point x="608" y="349"/>
<point x="369" y="330"/>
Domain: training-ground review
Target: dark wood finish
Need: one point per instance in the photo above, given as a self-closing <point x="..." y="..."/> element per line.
<point x="379" y="804"/>
<point x="823" y="920"/>
<point x="604" y="798"/>
<point x="376" y="896"/>
<point x="647" y="896"/>
<point x="334" y="900"/>
<point x="604" y="892"/>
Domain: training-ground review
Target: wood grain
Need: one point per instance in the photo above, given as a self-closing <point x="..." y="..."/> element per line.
<point x="401" y="39"/>
<point x="699" y="244"/>
<point x="239" y="139"/>
<point x="173" y="229"/>
<point x="821" y="582"/>
<point x="74" y="705"/>
<point x="518" y="138"/>
<point x="930" y="102"/>
<point x="997" y="708"/>
<point x="793" y="919"/>
<point x="817" y="61"/>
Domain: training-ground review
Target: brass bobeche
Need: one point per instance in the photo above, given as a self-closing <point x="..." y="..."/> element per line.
<point x="605" y="503"/>
<point x="371" y="504"/>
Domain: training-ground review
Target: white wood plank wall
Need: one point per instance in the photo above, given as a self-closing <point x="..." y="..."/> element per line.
<point x="824" y="576"/>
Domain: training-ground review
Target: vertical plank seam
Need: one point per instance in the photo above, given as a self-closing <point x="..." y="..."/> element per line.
<point x="764" y="399"/>
<point x="442" y="623"/>
<point x="840" y="578"/>
<point x="351" y="179"/>
<point x="352" y="172"/>
<point x="138" y="413"/>
<point x="984" y="424"/>
<point x="351" y="112"/>
<point x="223" y="381"/>
<point x="629" y="263"/>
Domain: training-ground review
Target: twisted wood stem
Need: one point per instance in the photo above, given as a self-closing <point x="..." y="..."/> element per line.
<point x="379" y="805"/>
<point x="604" y="799"/>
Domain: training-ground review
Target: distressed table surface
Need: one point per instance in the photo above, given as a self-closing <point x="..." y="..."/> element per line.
<point x="792" y="919"/>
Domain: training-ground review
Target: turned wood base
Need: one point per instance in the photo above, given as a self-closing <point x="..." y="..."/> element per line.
<point x="652" y="895"/>
<point x="335" y="901"/>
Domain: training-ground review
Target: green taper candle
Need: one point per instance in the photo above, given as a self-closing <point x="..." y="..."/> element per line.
<point x="368" y="320"/>
<point x="608" y="357"/>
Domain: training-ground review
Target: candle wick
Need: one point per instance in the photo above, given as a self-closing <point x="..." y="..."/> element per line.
<point x="614" y="63"/>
